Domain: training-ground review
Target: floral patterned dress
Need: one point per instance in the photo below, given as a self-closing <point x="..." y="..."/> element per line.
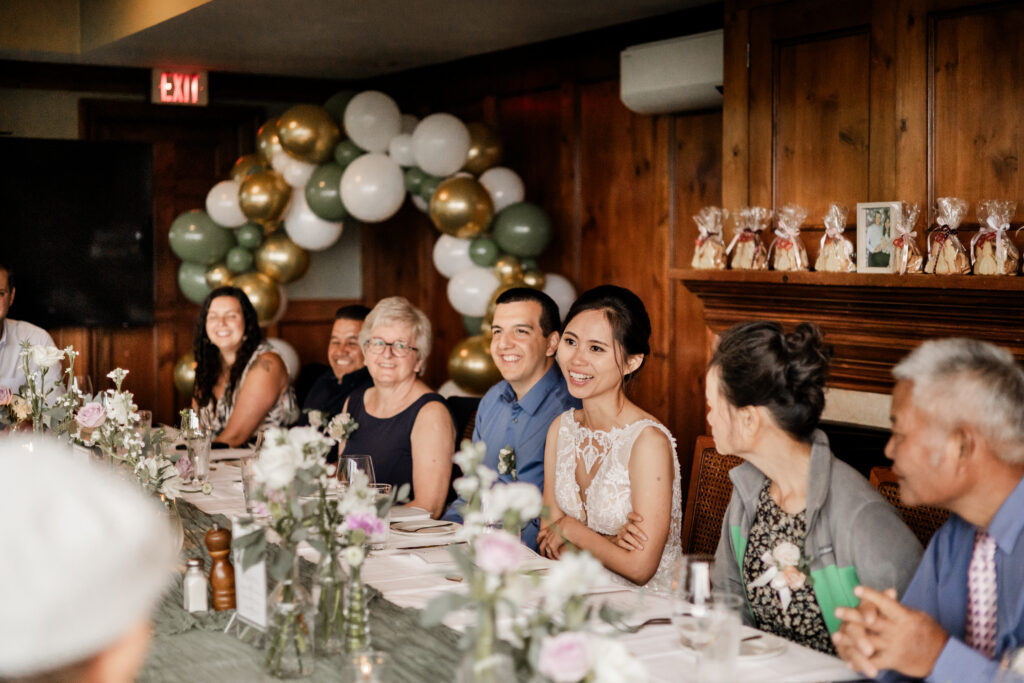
<point x="801" y="620"/>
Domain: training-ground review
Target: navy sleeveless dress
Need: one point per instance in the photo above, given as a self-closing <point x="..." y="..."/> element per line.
<point x="386" y="440"/>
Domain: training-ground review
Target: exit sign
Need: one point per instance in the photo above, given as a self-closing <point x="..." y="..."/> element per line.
<point x="179" y="87"/>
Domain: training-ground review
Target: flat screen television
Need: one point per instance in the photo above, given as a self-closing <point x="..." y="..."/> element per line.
<point x="77" y="228"/>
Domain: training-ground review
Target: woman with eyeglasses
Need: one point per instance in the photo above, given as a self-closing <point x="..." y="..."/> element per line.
<point x="241" y="385"/>
<point x="403" y="425"/>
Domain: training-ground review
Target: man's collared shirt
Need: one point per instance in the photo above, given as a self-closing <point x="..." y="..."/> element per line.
<point x="14" y="333"/>
<point x="502" y="420"/>
<point x="939" y="587"/>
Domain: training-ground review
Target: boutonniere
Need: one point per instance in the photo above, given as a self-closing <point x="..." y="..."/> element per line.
<point x="787" y="571"/>
<point x="507" y="462"/>
<point x="341" y="427"/>
<point x="316" y="418"/>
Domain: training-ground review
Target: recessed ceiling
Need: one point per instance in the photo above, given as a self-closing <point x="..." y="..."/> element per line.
<point x="336" y="39"/>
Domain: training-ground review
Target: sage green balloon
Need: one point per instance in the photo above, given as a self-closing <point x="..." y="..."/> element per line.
<point x="346" y="152"/>
<point x="429" y="186"/>
<point x="250" y="235"/>
<point x="522" y="229"/>
<point x="336" y="103"/>
<point x="323" y="192"/>
<point x="529" y="263"/>
<point x="239" y="260"/>
<point x="192" y="281"/>
<point x="483" y="251"/>
<point x="196" y="238"/>
<point x="472" y="324"/>
<point x="414" y="177"/>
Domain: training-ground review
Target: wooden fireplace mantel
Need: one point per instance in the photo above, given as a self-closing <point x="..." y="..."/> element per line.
<point x="871" y="320"/>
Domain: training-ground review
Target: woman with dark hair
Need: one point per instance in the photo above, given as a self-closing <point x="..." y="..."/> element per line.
<point x="610" y="459"/>
<point x="802" y="528"/>
<point x="241" y="382"/>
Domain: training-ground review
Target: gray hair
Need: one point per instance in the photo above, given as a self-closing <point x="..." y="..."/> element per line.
<point x="397" y="309"/>
<point x="965" y="381"/>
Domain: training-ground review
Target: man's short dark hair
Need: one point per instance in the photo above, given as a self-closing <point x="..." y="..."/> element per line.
<point x="352" y="312"/>
<point x="550" y="321"/>
<point x="10" y="274"/>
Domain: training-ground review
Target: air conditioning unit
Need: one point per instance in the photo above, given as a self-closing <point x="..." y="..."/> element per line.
<point x="679" y="74"/>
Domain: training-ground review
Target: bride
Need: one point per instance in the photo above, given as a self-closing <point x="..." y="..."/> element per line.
<point x="611" y="478"/>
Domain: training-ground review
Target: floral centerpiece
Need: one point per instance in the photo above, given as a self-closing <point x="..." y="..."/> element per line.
<point x="45" y="403"/>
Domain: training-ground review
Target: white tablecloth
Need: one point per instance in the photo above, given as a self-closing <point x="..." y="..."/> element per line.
<point x="410" y="575"/>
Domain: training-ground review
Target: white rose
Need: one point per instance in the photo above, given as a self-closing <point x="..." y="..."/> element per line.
<point x="574" y="574"/>
<point x="786" y="554"/>
<point x="276" y="466"/>
<point x="118" y="407"/>
<point x="522" y="498"/>
<point x="46" y="356"/>
<point x="353" y="555"/>
<point x="613" y="663"/>
<point x="316" y="418"/>
<point x="308" y="441"/>
<point x="466" y="487"/>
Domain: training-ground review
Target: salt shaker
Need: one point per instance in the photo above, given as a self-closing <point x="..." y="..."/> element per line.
<point x="195" y="587"/>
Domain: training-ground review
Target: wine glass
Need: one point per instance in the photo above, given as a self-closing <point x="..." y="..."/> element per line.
<point x="348" y="464"/>
<point x="83" y="383"/>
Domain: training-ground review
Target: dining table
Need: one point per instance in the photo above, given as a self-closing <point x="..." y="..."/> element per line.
<point x="402" y="578"/>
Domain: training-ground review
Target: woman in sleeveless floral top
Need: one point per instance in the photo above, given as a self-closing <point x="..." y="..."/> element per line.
<point x="241" y="382"/>
<point x="611" y="478"/>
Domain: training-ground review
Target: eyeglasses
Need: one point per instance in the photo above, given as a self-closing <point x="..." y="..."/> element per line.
<point x="399" y="349"/>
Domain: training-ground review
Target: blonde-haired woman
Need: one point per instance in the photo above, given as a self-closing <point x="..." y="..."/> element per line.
<point x="403" y="425"/>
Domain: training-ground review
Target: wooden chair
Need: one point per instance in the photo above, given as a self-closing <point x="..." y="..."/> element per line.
<point x="923" y="520"/>
<point x="710" y="490"/>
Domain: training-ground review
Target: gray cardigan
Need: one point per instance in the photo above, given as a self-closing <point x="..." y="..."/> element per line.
<point x="854" y="536"/>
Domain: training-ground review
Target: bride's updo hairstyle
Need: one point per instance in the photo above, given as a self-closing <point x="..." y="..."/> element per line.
<point x="631" y="327"/>
<point x="761" y="365"/>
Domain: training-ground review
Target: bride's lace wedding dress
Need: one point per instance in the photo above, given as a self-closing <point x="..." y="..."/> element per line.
<point x="604" y="504"/>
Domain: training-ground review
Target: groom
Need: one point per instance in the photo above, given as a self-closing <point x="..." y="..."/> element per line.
<point x="515" y="413"/>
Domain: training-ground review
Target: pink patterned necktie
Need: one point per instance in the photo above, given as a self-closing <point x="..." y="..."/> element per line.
<point x="981" y="595"/>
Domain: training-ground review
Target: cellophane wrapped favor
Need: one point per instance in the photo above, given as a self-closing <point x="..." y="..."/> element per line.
<point x="787" y="249"/>
<point x="946" y="254"/>
<point x="992" y="250"/>
<point x="709" y="252"/>
<point x="836" y="254"/>
<point x="746" y="250"/>
<point x="906" y="254"/>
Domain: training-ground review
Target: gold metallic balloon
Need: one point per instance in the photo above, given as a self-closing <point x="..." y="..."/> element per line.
<point x="185" y="374"/>
<point x="508" y="269"/>
<point x="267" y="141"/>
<point x="263" y="196"/>
<point x="484" y="148"/>
<point x="470" y="365"/>
<point x="246" y="165"/>
<point x="218" y="275"/>
<point x="308" y="133"/>
<point x="280" y="258"/>
<point x="533" y="277"/>
<point x="262" y="292"/>
<point x="461" y="207"/>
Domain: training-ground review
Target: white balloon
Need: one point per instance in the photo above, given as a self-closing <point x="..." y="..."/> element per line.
<point x="450" y="388"/>
<point x="420" y="203"/>
<point x="372" y="188"/>
<point x="451" y="255"/>
<point x="306" y="229"/>
<point x="561" y="290"/>
<point x="440" y="144"/>
<point x="222" y="204"/>
<point x="400" y="149"/>
<point x="371" y="120"/>
<point x="297" y="172"/>
<point x="504" y="185"/>
<point x="280" y="161"/>
<point x="288" y="354"/>
<point x="409" y="123"/>
<point x="470" y="290"/>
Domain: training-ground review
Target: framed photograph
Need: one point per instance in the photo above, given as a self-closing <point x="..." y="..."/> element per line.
<point x="875" y="235"/>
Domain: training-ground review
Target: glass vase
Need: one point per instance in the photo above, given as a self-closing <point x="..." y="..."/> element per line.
<point x="174" y="518"/>
<point x="356" y="612"/>
<point x="327" y="592"/>
<point x="291" y="612"/>
<point x="482" y="663"/>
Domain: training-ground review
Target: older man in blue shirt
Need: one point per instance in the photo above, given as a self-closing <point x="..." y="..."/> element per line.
<point x="514" y="415"/>
<point x="958" y="443"/>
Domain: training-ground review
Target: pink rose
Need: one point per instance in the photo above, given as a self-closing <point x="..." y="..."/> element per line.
<point x="91" y="415"/>
<point x="184" y="467"/>
<point x="795" y="578"/>
<point x="564" y="658"/>
<point x="368" y="522"/>
<point x="498" y="552"/>
<point x="5" y="396"/>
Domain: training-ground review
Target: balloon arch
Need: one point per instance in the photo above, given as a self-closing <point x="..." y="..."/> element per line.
<point x="292" y="196"/>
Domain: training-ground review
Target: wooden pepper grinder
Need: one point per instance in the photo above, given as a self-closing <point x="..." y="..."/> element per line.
<point x="222" y="574"/>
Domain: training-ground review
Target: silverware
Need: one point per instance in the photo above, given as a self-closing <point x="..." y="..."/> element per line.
<point x="656" y="621"/>
<point x="749" y="638"/>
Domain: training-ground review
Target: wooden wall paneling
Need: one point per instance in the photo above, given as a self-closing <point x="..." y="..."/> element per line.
<point x="735" y="109"/>
<point x="977" y="67"/>
<point x="910" y="113"/>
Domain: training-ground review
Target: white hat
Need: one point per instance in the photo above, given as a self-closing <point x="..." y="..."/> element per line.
<point x="85" y="557"/>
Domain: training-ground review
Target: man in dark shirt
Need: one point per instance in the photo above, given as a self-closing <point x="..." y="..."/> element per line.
<point x="347" y="368"/>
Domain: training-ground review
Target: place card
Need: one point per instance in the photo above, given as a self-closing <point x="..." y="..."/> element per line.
<point x="251" y="583"/>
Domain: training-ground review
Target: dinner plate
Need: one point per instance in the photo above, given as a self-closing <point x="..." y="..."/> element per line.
<point x="423" y="527"/>
<point x="765" y="647"/>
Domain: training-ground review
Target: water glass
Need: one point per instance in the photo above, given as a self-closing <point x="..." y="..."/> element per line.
<point x="247" y="465"/>
<point x="350" y="463"/>
<point x="379" y="542"/>
<point x="369" y="667"/>
<point x="198" y="441"/>
<point x="712" y="628"/>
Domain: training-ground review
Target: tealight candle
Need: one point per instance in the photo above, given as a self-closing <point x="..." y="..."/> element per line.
<point x="370" y="667"/>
